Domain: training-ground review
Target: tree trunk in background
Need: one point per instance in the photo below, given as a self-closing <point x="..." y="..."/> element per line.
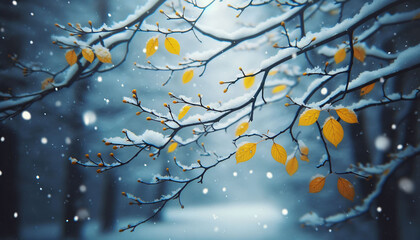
<point x="9" y="199"/>
<point x="107" y="214"/>
<point x="74" y="175"/>
<point x="362" y="155"/>
<point x="108" y="202"/>
<point x="409" y="200"/>
<point x="12" y="43"/>
<point x="8" y="185"/>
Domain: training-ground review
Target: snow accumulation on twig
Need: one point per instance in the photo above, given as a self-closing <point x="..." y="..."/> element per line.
<point x="383" y="172"/>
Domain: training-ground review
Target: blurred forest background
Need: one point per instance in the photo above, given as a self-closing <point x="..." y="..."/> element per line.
<point x="42" y="196"/>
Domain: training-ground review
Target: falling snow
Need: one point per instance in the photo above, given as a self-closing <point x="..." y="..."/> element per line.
<point x="26" y="115"/>
<point x="382" y="143"/>
<point x="44" y="140"/>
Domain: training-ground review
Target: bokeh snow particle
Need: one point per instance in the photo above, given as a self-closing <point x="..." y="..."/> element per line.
<point x="235" y="174"/>
<point x="379" y="209"/>
<point x="324" y="91"/>
<point x="382" y="143"/>
<point x="1" y="173"/>
<point x="2" y="139"/>
<point x="99" y="79"/>
<point x="269" y="175"/>
<point x="26" y="115"/>
<point x="15" y="214"/>
<point x="406" y="185"/>
<point x="224" y="189"/>
<point x="67" y="140"/>
<point x="284" y="211"/>
<point x="44" y="140"/>
<point x="82" y="214"/>
<point x="89" y="117"/>
<point x="82" y="188"/>
<point x="205" y="190"/>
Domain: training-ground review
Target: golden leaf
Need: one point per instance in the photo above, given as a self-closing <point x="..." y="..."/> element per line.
<point x="279" y="153"/>
<point x="88" y="54"/>
<point x="272" y="72"/>
<point x="188" y="75"/>
<point x="333" y="131"/>
<point x="71" y="57"/>
<point x="103" y="54"/>
<point x="359" y="53"/>
<point x="345" y="188"/>
<point x="367" y="89"/>
<point x="152" y="46"/>
<point x="183" y="111"/>
<point x="249" y="81"/>
<point x="46" y="83"/>
<point x="304" y="152"/>
<point x="172" y="45"/>
<point x="245" y="152"/>
<point x="340" y="55"/>
<point x="172" y="147"/>
<point x="292" y="166"/>
<point x="241" y="129"/>
<point x="347" y="115"/>
<point x="309" y="117"/>
<point x="316" y="184"/>
<point x="416" y="17"/>
<point x="279" y="88"/>
<point x="334" y="11"/>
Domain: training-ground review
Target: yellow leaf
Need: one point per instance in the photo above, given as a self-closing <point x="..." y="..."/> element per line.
<point x="334" y="11"/>
<point x="347" y="115"/>
<point x="88" y="54"/>
<point x="359" y="53"/>
<point x="367" y="89"/>
<point x="292" y="166"/>
<point x="152" y="46"/>
<point x="71" y="57"/>
<point x="172" y="45"/>
<point x="241" y="129"/>
<point x="46" y="83"/>
<point x="304" y="151"/>
<point x="172" y="147"/>
<point x="309" y="117"/>
<point x="249" y="81"/>
<point x="416" y="17"/>
<point x="188" y="75"/>
<point x="245" y="152"/>
<point x="345" y="188"/>
<point x="316" y="184"/>
<point x="333" y="131"/>
<point x="279" y="153"/>
<point x="103" y="54"/>
<point x="183" y="111"/>
<point x="279" y="88"/>
<point x="272" y="72"/>
<point x="340" y="55"/>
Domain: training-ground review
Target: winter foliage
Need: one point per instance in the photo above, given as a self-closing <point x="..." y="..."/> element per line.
<point x="293" y="88"/>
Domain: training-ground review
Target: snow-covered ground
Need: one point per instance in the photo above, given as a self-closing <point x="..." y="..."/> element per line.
<point x="223" y="221"/>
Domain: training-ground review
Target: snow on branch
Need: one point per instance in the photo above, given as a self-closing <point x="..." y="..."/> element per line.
<point x="382" y="172"/>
